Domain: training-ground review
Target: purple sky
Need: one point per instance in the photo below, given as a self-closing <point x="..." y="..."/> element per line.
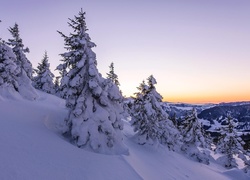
<point x="199" y="51"/>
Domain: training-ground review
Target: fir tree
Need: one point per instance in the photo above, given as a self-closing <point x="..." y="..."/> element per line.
<point x="193" y="137"/>
<point x="19" y="50"/>
<point x="149" y="119"/>
<point x="229" y="143"/>
<point x="192" y="131"/>
<point x="8" y="68"/>
<point x="12" y="78"/>
<point x="147" y="128"/>
<point x="94" y="119"/>
<point x="44" y="78"/>
<point x="112" y="76"/>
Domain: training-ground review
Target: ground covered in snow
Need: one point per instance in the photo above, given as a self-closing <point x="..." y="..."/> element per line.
<point x="32" y="148"/>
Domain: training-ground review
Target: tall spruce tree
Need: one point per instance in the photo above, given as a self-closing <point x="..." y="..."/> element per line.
<point x="44" y="78"/>
<point x="229" y="143"/>
<point x="192" y="131"/>
<point x="194" y="137"/>
<point x="18" y="48"/>
<point x="112" y="76"/>
<point x="94" y="119"/>
<point x="150" y="121"/>
<point x="147" y="128"/>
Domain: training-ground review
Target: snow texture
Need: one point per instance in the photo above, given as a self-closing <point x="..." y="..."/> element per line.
<point x="32" y="148"/>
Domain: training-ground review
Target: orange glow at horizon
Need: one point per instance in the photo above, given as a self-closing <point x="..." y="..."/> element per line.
<point x="199" y="96"/>
<point x="201" y="99"/>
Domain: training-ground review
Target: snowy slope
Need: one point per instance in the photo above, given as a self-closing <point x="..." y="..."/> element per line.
<point x="31" y="147"/>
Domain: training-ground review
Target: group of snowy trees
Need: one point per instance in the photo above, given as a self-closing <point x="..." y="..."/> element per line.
<point x="95" y="103"/>
<point x="95" y="111"/>
<point x="153" y="126"/>
<point x="17" y="70"/>
<point x="40" y="78"/>
<point x="97" y="108"/>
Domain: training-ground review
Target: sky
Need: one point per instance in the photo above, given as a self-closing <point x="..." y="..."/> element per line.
<point x="198" y="50"/>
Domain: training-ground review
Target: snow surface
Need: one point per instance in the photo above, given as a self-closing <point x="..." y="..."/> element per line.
<point x="31" y="147"/>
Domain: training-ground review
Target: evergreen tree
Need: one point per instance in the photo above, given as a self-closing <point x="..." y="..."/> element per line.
<point x="194" y="137"/>
<point x="149" y="119"/>
<point x="229" y="143"/>
<point x="94" y="119"/>
<point x="44" y="78"/>
<point x="192" y="131"/>
<point x="112" y="76"/>
<point x="8" y="68"/>
<point x="147" y="128"/>
<point x="19" y="50"/>
<point x="12" y="78"/>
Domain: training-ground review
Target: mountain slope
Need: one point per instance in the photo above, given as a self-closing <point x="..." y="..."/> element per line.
<point x="32" y="148"/>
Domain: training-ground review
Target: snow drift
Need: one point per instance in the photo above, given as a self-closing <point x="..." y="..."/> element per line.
<point x="33" y="148"/>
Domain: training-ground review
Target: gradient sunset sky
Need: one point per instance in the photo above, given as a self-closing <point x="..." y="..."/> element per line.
<point x="198" y="50"/>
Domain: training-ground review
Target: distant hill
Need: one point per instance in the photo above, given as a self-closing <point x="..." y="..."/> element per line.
<point x="239" y="111"/>
<point x="213" y="113"/>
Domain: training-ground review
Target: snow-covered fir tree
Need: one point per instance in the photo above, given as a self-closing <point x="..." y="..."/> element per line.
<point x="194" y="137"/>
<point x="147" y="128"/>
<point x="8" y="68"/>
<point x="229" y="143"/>
<point x="192" y="131"/>
<point x="18" y="48"/>
<point x="94" y="120"/>
<point x="150" y="121"/>
<point x="14" y="79"/>
<point x="44" y="77"/>
<point x="112" y="76"/>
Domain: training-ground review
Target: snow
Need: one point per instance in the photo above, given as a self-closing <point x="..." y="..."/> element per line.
<point x="32" y="148"/>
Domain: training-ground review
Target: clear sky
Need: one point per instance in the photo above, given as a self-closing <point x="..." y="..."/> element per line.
<point x="198" y="50"/>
